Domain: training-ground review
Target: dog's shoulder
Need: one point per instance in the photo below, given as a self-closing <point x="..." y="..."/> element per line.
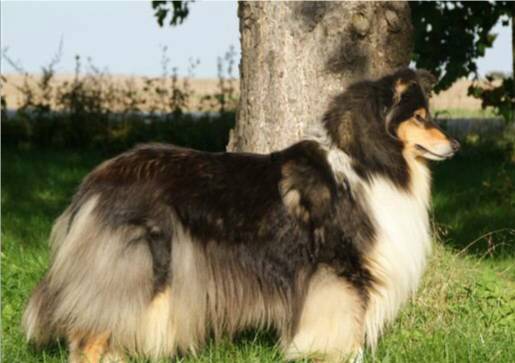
<point x="307" y="186"/>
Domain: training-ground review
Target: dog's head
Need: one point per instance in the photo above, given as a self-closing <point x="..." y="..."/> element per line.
<point x="408" y="118"/>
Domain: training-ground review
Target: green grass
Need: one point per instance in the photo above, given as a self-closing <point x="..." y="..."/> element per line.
<point x="465" y="113"/>
<point x="464" y="311"/>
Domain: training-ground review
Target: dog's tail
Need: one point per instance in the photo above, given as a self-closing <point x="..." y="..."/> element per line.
<point x="37" y="319"/>
<point x="37" y="316"/>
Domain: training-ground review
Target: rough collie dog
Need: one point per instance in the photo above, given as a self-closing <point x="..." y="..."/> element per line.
<point x="163" y="247"/>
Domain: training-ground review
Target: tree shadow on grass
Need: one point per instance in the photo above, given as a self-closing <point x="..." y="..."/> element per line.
<point x="474" y="201"/>
<point x="37" y="186"/>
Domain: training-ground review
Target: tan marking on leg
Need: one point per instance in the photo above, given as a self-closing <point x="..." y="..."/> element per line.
<point x="113" y="357"/>
<point x="156" y="335"/>
<point x="88" y="349"/>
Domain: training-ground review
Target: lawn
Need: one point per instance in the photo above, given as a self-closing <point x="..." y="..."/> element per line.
<point x="476" y="113"/>
<point x="464" y="311"/>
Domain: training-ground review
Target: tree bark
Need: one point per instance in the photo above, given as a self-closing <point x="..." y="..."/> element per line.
<point x="297" y="55"/>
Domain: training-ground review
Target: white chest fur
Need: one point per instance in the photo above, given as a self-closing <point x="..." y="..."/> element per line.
<point x="403" y="243"/>
<point x="403" y="240"/>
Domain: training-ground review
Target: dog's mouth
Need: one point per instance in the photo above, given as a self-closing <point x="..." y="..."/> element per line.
<point x="432" y="155"/>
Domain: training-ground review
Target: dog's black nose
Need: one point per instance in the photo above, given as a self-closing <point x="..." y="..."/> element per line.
<point x="455" y="145"/>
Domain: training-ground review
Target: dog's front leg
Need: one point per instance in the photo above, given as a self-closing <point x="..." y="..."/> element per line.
<point x="331" y="322"/>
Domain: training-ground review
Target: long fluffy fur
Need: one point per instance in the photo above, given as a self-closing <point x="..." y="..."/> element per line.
<point x="323" y="241"/>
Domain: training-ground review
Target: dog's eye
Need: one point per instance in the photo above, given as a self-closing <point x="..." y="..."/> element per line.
<point x="419" y="119"/>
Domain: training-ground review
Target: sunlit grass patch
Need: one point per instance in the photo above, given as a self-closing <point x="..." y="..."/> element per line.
<point x="463" y="312"/>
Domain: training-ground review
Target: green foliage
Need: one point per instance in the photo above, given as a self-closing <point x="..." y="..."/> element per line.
<point x="178" y="11"/>
<point x="449" y="38"/>
<point x="500" y="96"/>
<point x="451" y="35"/>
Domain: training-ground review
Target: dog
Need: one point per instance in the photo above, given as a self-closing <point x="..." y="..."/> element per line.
<point x="163" y="247"/>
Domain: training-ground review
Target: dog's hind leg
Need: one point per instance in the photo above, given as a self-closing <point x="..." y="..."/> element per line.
<point x="94" y="349"/>
<point x="331" y="323"/>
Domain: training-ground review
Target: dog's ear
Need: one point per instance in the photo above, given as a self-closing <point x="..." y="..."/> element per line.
<point x="400" y="87"/>
<point x="427" y="80"/>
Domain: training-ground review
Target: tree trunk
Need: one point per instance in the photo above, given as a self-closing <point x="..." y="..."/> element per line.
<point x="297" y="55"/>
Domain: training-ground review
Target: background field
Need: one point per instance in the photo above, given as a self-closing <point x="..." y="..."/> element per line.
<point x="453" y="102"/>
<point x="464" y="311"/>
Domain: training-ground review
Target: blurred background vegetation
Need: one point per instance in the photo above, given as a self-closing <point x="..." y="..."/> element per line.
<point x="95" y="109"/>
